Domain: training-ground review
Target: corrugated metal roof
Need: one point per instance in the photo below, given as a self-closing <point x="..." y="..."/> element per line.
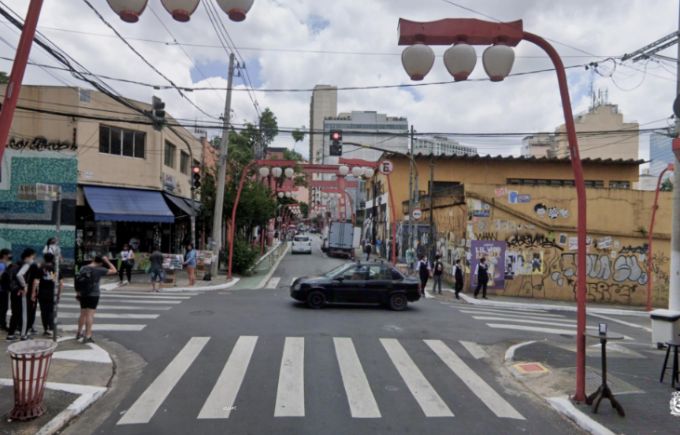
<point x="500" y="158"/>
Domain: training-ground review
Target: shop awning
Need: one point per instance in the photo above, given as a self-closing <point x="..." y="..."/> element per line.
<point x="184" y="205"/>
<point x="127" y="205"/>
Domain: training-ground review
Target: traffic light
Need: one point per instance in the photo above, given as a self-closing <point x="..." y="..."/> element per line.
<point x="157" y="112"/>
<point x="336" y="143"/>
<point x="195" y="177"/>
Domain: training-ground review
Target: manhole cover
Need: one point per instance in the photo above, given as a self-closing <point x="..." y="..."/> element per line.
<point x="202" y="313"/>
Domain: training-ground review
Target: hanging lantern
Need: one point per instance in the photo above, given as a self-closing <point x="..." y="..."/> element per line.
<point x="498" y="60"/>
<point x="288" y="194"/>
<point x="369" y="172"/>
<point x="460" y="60"/>
<point x="343" y="170"/>
<point x="128" y="10"/>
<point x="417" y="61"/>
<point x="264" y="171"/>
<point x="180" y="10"/>
<point x="236" y="9"/>
<point x="276" y="172"/>
<point x="357" y="171"/>
<point x="289" y="172"/>
<point x="280" y="194"/>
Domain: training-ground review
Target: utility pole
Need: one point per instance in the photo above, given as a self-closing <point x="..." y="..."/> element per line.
<point x="432" y="244"/>
<point x="222" y="174"/>
<point x="410" y="194"/>
<point x="674" y="287"/>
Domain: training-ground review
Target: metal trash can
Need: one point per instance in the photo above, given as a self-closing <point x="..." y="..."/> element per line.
<point x="30" y="365"/>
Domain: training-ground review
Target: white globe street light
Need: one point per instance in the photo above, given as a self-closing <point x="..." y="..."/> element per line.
<point x="498" y="60"/>
<point x="280" y="194"/>
<point x="236" y="9"/>
<point x="288" y="194"/>
<point x="276" y="172"/>
<point x="343" y="170"/>
<point x="369" y="173"/>
<point x="417" y="60"/>
<point x="128" y="10"/>
<point x="357" y="171"/>
<point x="264" y="171"/>
<point x="289" y="172"/>
<point x="460" y="60"/>
<point x="180" y="10"/>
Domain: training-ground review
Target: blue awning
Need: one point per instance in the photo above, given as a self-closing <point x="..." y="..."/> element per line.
<point x="127" y="205"/>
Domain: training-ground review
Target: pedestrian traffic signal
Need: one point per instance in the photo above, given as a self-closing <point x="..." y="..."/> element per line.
<point x="336" y="143"/>
<point x="157" y="113"/>
<point x="196" y="177"/>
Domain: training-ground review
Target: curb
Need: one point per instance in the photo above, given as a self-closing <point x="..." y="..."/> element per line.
<point x="613" y="311"/>
<point x="564" y="406"/>
<point x="215" y="287"/>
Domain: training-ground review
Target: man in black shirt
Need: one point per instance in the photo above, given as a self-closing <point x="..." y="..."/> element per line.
<point x="437" y="274"/>
<point x="47" y="292"/>
<point x="482" y="277"/>
<point x="5" y="260"/>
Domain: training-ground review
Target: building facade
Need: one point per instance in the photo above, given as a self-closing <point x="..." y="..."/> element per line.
<point x="324" y="104"/>
<point x="127" y="182"/>
<point x="365" y="128"/>
<point x="660" y="153"/>
<point x="441" y="146"/>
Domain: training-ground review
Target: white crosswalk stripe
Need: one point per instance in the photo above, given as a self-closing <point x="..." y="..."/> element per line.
<point x="362" y="404"/>
<point x="517" y="315"/>
<point x="273" y="282"/>
<point x="151" y="399"/>
<point x="290" y="394"/>
<point x="290" y="390"/>
<point x="426" y="396"/>
<point x="221" y="400"/>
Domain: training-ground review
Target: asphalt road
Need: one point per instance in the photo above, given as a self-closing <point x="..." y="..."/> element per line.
<point x="257" y="362"/>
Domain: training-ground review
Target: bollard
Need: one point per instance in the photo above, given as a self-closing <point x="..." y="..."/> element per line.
<point x="30" y="365"/>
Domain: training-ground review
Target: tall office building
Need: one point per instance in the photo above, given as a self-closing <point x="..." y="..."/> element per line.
<point x="660" y="153"/>
<point x="366" y="128"/>
<point x="442" y="146"/>
<point x="324" y="104"/>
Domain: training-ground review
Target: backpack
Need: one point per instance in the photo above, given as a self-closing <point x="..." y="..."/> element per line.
<point x="9" y="278"/>
<point x="84" y="282"/>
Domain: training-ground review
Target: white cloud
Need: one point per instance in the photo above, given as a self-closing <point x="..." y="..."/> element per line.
<point x="528" y="103"/>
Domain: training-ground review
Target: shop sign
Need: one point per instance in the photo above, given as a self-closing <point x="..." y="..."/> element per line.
<point x="169" y="183"/>
<point x="40" y="143"/>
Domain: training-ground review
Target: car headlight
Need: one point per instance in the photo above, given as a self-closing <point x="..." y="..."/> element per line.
<point x="297" y="286"/>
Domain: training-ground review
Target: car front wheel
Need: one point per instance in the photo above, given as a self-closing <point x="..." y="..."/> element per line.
<point x="397" y="302"/>
<point x="316" y="299"/>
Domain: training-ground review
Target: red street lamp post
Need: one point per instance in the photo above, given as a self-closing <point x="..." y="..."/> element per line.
<point x="650" y="234"/>
<point x="498" y="58"/>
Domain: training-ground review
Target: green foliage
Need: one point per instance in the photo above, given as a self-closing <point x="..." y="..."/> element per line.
<point x="298" y="135"/>
<point x="245" y="256"/>
<point x="208" y="193"/>
<point x="268" y="126"/>
<point x="4" y="78"/>
<point x="667" y="185"/>
<point x="292" y="155"/>
<point x="304" y="209"/>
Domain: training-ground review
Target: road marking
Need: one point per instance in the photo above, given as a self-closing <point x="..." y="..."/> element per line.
<point x="565" y="323"/>
<point x="534" y="328"/>
<point x="505" y="310"/>
<point x="63" y="315"/>
<point x="117" y="327"/>
<point x="164" y="294"/>
<point x="621" y="322"/>
<point x="513" y="314"/>
<point x="221" y="400"/>
<point x="149" y="296"/>
<point x="117" y="307"/>
<point x="273" y="282"/>
<point x="476" y="384"/>
<point x="428" y="399"/>
<point x="147" y="302"/>
<point x="362" y="403"/>
<point x="290" y="393"/>
<point x="475" y="350"/>
<point x="151" y="399"/>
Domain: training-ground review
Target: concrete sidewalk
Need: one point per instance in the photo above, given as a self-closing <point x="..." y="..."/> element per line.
<point x="79" y="375"/>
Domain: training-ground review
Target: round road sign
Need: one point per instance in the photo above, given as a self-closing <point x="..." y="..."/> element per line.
<point x="417" y="214"/>
<point x="386" y="167"/>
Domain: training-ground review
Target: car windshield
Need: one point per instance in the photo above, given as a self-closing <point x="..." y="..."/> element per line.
<point x="301" y="239"/>
<point x="338" y="271"/>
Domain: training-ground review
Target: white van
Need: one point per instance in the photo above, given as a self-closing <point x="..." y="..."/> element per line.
<point x="302" y="244"/>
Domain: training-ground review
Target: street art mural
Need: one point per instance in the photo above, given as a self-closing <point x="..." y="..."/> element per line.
<point x="494" y="252"/>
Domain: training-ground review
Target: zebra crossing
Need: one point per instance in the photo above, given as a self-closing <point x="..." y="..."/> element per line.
<point x="521" y="319"/>
<point x="360" y="393"/>
<point x="119" y="311"/>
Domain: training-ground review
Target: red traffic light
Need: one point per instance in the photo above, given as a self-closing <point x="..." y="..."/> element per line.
<point x="336" y="135"/>
<point x="196" y="170"/>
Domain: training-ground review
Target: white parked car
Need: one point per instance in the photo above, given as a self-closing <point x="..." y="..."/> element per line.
<point x="302" y="244"/>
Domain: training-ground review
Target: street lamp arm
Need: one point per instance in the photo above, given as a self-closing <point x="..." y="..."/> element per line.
<point x="650" y="235"/>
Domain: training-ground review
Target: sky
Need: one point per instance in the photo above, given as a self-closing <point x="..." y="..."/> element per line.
<point x="296" y="44"/>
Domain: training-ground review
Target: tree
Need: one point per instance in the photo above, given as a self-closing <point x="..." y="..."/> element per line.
<point x="268" y="126"/>
<point x="292" y="155"/>
<point x="298" y="135"/>
<point x="667" y="185"/>
<point x="304" y="209"/>
<point x="4" y="78"/>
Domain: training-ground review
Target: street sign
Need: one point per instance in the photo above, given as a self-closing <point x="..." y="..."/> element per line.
<point x="386" y="167"/>
<point x="39" y="192"/>
<point x="417" y="214"/>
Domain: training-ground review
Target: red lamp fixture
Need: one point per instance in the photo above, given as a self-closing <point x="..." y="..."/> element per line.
<point x="181" y="10"/>
<point x="128" y="10"/>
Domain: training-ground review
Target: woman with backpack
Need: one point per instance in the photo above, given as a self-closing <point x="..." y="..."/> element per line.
<point x="87" y="293"/>
<point x="46" y="291"/>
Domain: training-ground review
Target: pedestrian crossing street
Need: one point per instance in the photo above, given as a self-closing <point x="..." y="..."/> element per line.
<point x="355" y="372"/>
<point x="119" y="311"/>
<point x="520" y="319"/>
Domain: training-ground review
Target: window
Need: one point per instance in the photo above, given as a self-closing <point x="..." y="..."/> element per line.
<point x="121" y="142"/>
<point x="619" y="184"/>
<point x="184" y="163"/>
<point x="597" y="184"/>
<point x="169" y="154"/>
